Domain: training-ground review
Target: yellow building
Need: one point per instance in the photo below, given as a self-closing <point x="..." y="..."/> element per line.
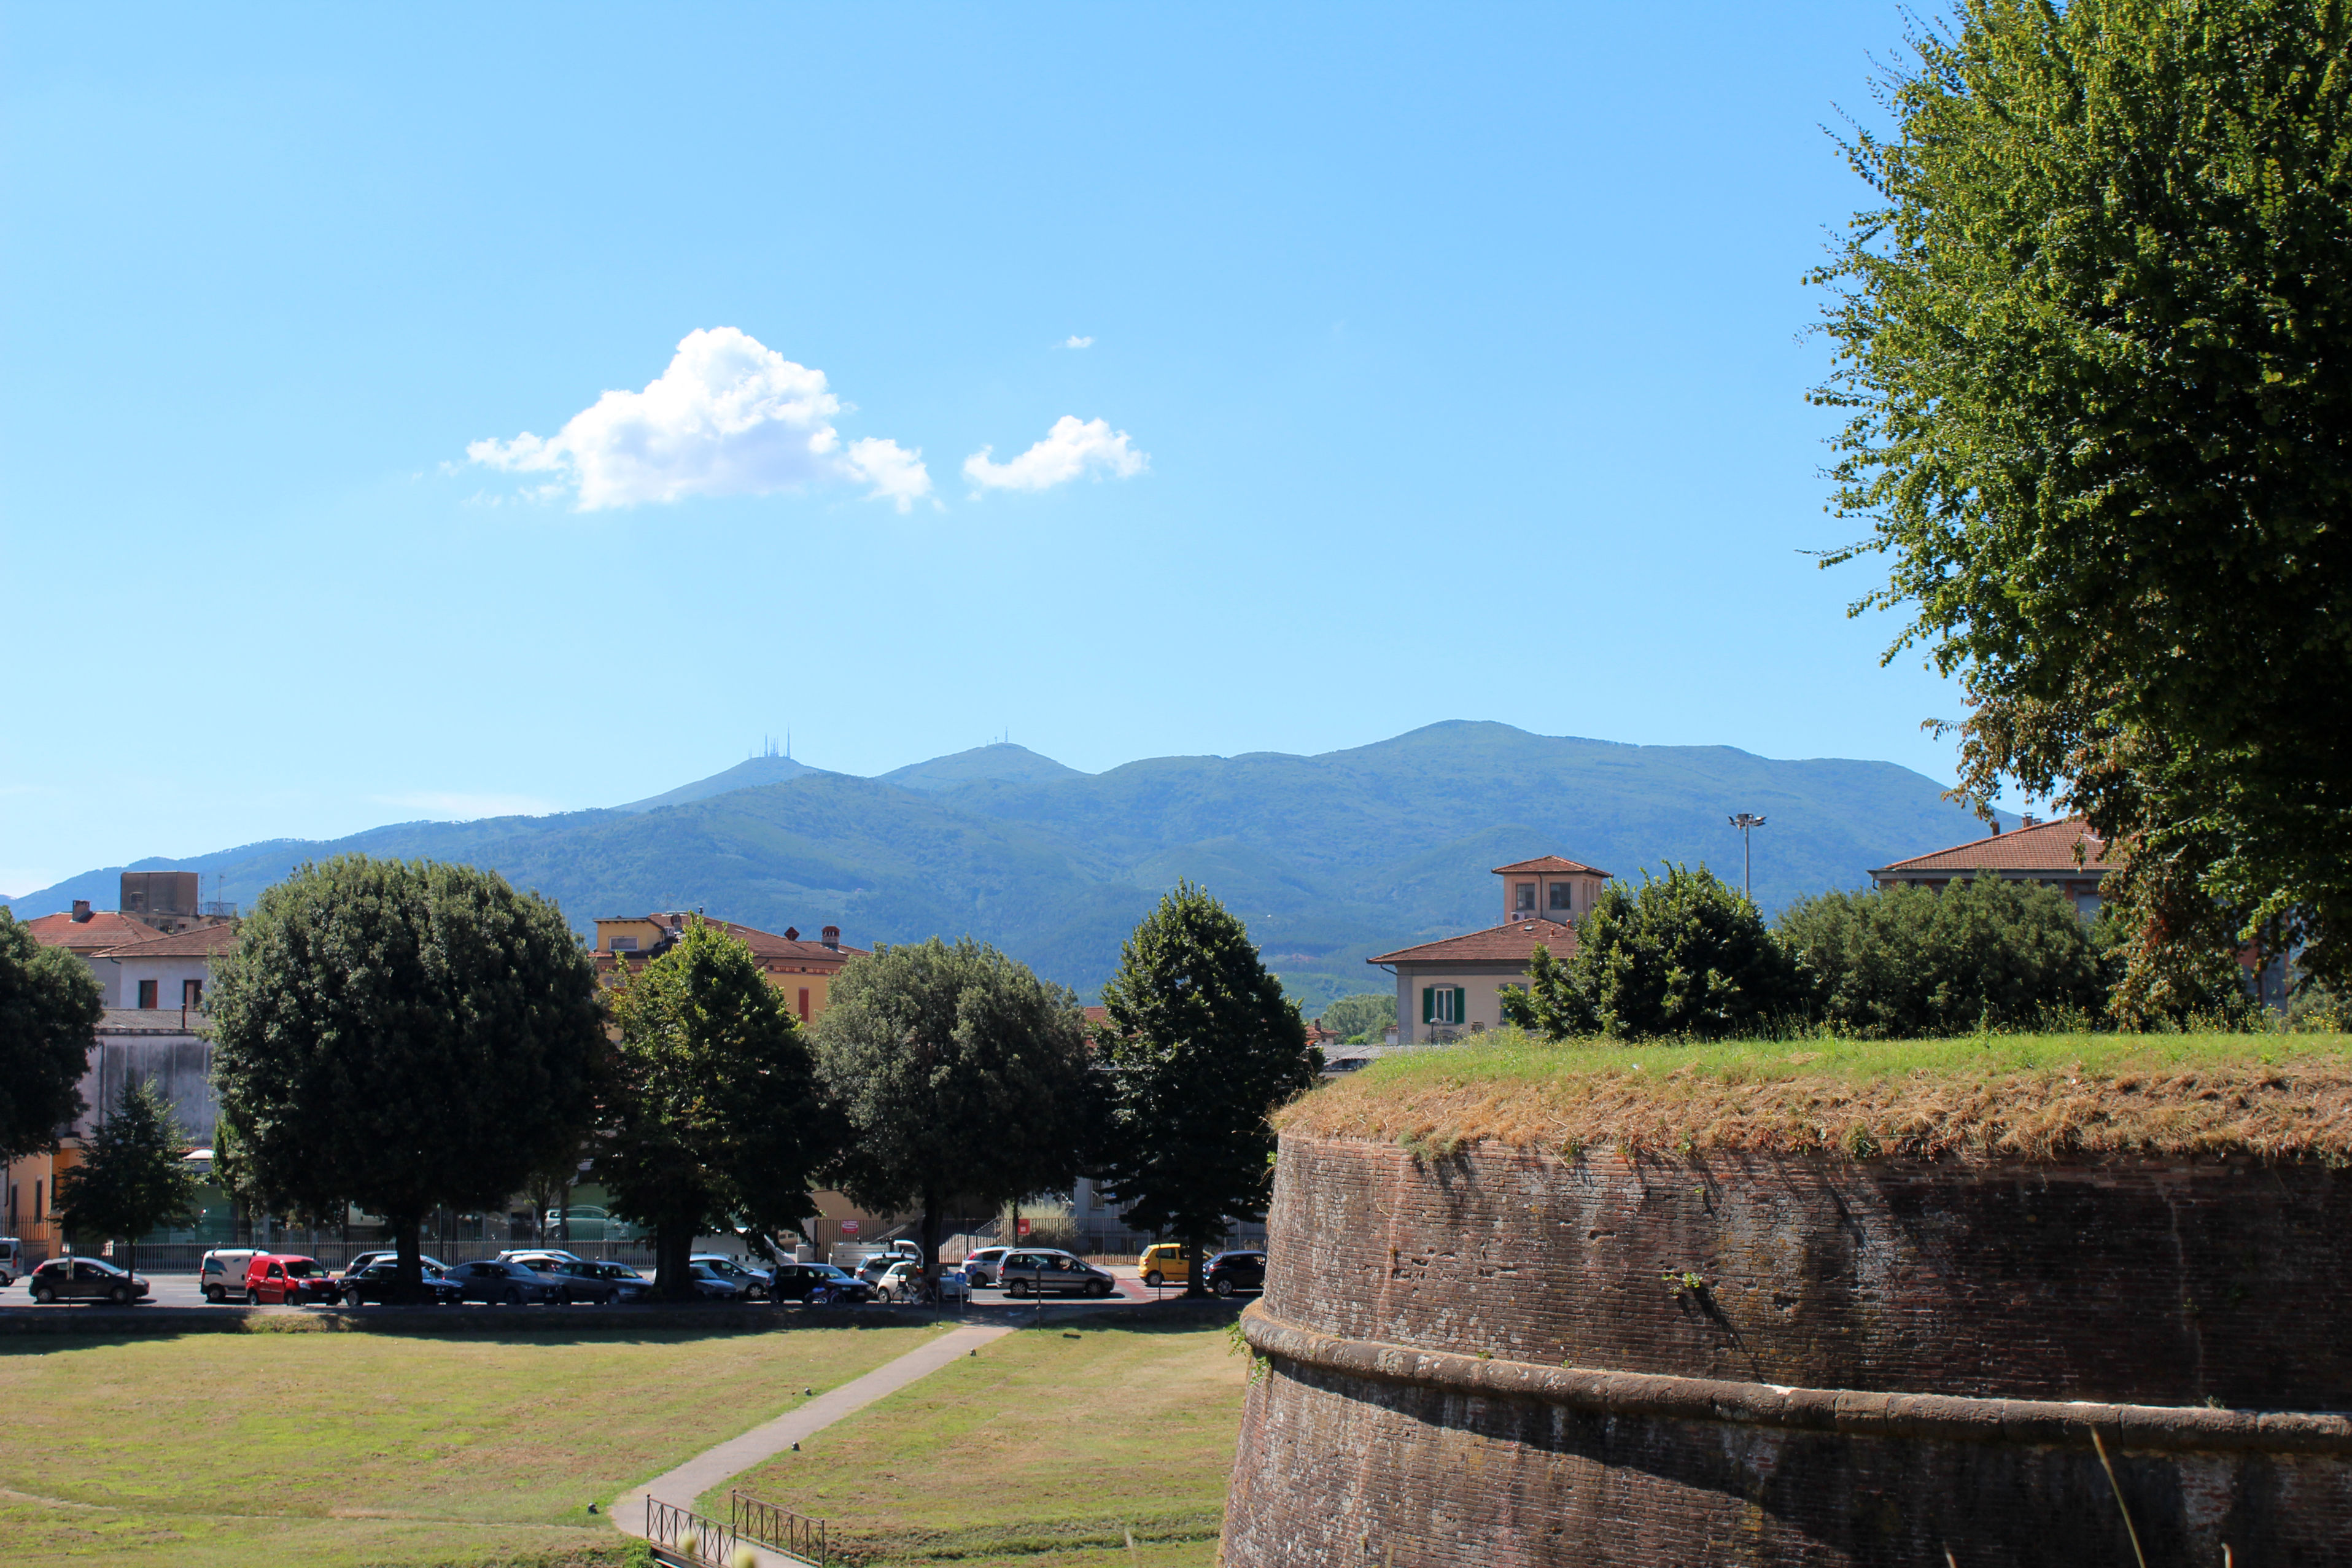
<point x="801" y="969"/>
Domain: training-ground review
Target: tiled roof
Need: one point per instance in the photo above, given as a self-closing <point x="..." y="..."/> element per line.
<point x="2045" y="846"/>
<point x="1509" y="943"/>
<point x="1552" y="863"/>
<point x="196" y="941"/>
<point x="104" y="928"/>
<point x="765" y="945"/>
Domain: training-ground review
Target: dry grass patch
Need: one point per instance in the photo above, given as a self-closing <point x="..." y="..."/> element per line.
<point x="2048" y="1097"/>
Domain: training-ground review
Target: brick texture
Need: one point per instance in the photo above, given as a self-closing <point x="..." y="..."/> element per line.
<point x="2157" y="1283"/>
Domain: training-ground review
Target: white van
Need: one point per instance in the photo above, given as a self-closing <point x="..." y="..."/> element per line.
<point x="224" y="1272"/>
<point x="12" y="1260"/>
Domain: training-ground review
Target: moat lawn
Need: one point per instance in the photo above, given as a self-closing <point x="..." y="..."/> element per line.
<point x="1048" y="1449"/>
<point x="376" y="1448"/>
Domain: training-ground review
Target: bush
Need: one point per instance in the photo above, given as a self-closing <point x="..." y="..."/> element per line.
<point x="1906" y="962"/>
<point x="1364" y="1019"/>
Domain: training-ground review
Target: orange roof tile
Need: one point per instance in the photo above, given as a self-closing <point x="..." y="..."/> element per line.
<point x="1548" y="863"/>
<point x="1509" y="943"/>
<point x="196" y="941"/>
<point x="2044" y="847"/>
<point x="104" y="928"/>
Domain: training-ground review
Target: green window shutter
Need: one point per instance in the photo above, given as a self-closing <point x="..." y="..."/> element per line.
<point x="1429" y="1003"/>
<point x="1460" y="1011"/>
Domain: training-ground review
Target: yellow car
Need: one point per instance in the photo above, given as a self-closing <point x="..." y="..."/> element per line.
<point x="1163" y="1264"/>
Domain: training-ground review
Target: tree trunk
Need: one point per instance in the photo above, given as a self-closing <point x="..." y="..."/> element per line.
<point x="673" y="1275"/>
<point x="930" y="1241"/>
<point x="408" y="1280"/>
<point x="1193" y="1254"/>
<point x="564" y="1212"/>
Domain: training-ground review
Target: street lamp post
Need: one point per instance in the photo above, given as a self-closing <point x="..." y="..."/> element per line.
<point x="1746" y="823"/>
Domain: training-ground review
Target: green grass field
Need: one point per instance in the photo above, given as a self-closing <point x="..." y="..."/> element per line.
<point x="325" y="1449"/>
<point x="1046" y="1448"/>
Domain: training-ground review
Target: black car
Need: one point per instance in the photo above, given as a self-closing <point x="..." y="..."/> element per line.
<point x="819" y="1284"/>
<point x="379" y="1283"/>
<point x="85" y="1279"/>
<point x="1230" y="1271"/>
<point x="501" y="1284"/>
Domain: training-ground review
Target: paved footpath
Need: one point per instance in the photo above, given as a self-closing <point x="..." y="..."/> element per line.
<point x="713" y="1467"/>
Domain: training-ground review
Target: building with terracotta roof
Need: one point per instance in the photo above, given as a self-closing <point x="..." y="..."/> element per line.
<point x="800" y="969"/>
<point x="85" y="932"/>
<point x="169" y="971"/>
<point x="1454" y="986"/>
<point x="2064" y="854"/>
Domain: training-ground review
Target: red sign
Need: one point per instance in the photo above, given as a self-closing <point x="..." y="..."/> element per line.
<point x="849" y="1227"/>
<point x="1020" y="1228"/>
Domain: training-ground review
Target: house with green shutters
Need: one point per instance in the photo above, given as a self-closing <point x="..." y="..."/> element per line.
<point x="1452" y="987"/>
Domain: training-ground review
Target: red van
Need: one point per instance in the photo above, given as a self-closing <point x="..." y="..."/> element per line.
<point x="282" y="1280"/>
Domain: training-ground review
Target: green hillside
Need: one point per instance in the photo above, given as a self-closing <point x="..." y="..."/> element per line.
<point x="1328" y="857"/>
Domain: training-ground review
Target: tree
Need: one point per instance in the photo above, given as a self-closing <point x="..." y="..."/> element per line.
<point x="1365" y="1017"/>
<point x="49" y="1008"/>
<point x="957" y="1073"/>
<point x="1682" y="955"/>
<point x="1983" y="952"/>
<point x="2096" y="344"/>
<point x="402" y="1035"/>
<point x="713" y="1115"/>
<point x="1201" y="1046"/>
<point x="134" y="1176"/>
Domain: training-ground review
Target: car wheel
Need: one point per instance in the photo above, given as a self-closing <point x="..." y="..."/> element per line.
<point x="1098" y="1288"/>
<point x="514" y="1297"/>
<point x="214" y="1294"/>
<point x="119" y="1295"/>
<point x="43" y="1295"/>
<point x="1224" y="1287"/>
<point x="1016" y="1288"/>
<point x="252" y="1297"/>
<point x="1154" y="1279"/>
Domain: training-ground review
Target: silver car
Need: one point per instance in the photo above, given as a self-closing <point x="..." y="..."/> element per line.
<point x="1051" y="1273"/>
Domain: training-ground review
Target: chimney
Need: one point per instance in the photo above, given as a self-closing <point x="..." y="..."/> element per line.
<point x="833" y="936"/>
<point x="792" y="933"/>
<point x="2029" y="820"/>
<point x="81" y="911"/>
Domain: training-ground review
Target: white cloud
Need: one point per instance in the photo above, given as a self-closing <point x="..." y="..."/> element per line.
<point x="730" y="417"/>
<point x="447" y="806"/>
<point x="1069" y="449"/>
<point x="1077" y="342"/>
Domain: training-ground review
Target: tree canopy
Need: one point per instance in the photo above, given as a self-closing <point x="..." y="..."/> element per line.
<point x="2094" y="344"/>
<point x="1201" y="1046"/>
<point x="1366" y="1014"/>
<point x="1683" y="954"/>
<point x="133" y="1177"/>
<point x="402" y="1035"/>
<point x="958" y="1076"/>
<point x="1907" y="962"/>
<point x="713" y="1120"/>
<point x="49" y="1008"/>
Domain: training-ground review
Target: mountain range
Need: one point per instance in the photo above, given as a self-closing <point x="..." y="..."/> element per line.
<point x="1329" y="858"/>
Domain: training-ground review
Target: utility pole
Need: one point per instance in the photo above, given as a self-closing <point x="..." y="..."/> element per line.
<point x="1746" y="823"/>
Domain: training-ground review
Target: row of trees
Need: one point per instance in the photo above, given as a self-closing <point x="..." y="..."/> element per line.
<point x="1685" y="956"/>
<point x="406" y="1035"/>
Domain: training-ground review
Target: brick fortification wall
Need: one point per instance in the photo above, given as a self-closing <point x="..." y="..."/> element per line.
<point x="1509" y="1357"/>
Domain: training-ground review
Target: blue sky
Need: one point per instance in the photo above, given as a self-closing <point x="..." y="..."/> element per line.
<point x="1449" y="363"/>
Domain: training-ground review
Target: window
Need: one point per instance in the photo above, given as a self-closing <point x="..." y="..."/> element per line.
<point x="1525" y="896"/>
<point x="1559" y="895"/>
<point x="804" y="990"/>
<point x="625" y="944"/>
<point x="192" y="993"/>
<point x="1441" y="1004"/>
<point x="146" y="994"/>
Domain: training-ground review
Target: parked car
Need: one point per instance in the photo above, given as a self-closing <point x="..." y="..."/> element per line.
<point x="756" y="1282"/>
<point x="1054" y="1273"/>
<point x="874" y="1268"/>
<point x="711" y="1283"/>
<point x="362" y="1262"/>
<point x="1162" y="1263"/>
<point x="981" y="1268"/>
<point x="85" y="1279"/>
<point x="12" y="1260"/>
<point x="501" y="1283"/>
<point x="820" y="1285"/>
<point x="379" y="1281"/>
<point x="222" y="1273"/>
<point x="289" y="1280"/>
<point x="902" y="1281"/>
<point x="532" y="1255"/>
<point x="628" y="1285"/>
<point x="590" y="1223"/>
<point x="576" y="1279"/>
<point x="1229" y="1271"/>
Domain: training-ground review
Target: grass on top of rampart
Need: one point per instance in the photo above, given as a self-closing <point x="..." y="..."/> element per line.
<point x="2046" y="1097"/>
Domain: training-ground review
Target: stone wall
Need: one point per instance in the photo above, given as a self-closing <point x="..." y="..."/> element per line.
<point x="1511" y="1357"/>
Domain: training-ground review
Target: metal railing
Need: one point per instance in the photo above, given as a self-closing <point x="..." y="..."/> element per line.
<point x="676" y="1532"/>
<point x="776" y="1527"/>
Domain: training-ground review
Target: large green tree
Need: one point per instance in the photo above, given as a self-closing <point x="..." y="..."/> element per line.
<point x="1904" y="960"/>
<point x="2095" y="343"/>
<point x="712" y="1118"/>
<point x="402" y="1035"/>
<point x="133" y="1177"/>
<point x="1201" y="1046"/>
<point x="958" y="1074"/>
<point x="49" y="1008"/>
<point x="1683" y="954"/>
<point x="1367" y="1014"/>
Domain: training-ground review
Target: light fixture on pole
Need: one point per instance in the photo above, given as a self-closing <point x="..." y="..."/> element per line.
<point x="1746" y="823"/>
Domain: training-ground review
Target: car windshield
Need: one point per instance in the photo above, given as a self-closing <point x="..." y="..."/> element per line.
<point x="301" y="1268"/>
